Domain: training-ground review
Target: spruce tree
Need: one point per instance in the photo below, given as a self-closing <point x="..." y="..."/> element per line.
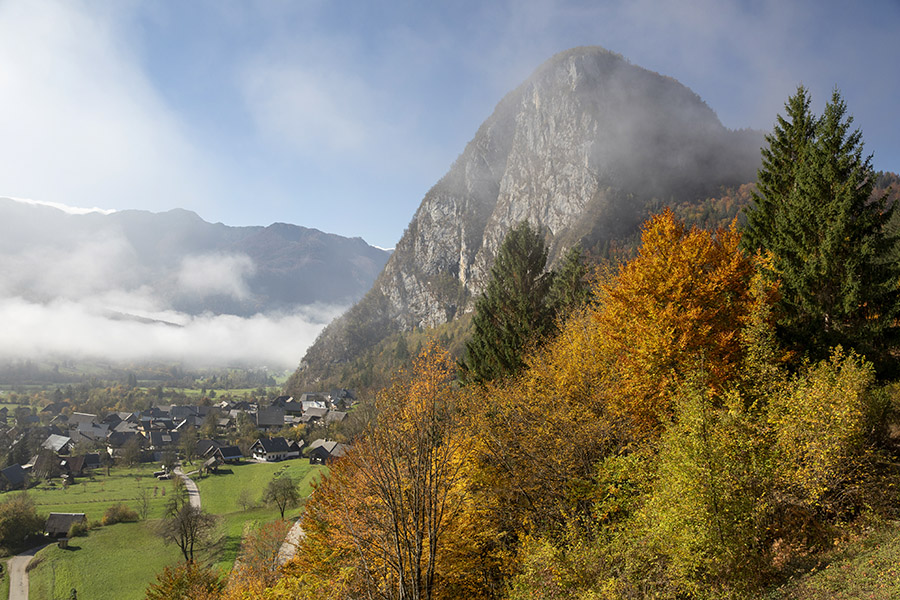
<point x="570" y="289"/>
<point x="828" y="243"/>
<point x="512" y="313"/>
<point x="776" y="178"/>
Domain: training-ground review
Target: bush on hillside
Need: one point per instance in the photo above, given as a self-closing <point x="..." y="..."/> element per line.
<point x="119" y="513"/>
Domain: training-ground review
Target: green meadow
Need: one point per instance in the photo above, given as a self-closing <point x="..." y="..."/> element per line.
<point x="118" y="562"/>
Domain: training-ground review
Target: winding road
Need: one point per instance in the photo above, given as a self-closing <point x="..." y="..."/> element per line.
<point x="18" y="576"/>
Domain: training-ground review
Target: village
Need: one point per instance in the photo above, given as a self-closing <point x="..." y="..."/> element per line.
<point x="73" y="444"/>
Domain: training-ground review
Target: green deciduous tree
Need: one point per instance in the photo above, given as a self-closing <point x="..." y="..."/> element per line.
<point x="513" y="312"/>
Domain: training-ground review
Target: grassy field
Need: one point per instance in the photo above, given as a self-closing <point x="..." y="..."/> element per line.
<point x="219" y="495"/>
<point x="119" y="561"/>
<point x="94" y="497"/>
<point x="113" y="563"/>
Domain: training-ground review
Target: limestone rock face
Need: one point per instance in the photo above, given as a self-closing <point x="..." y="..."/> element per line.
<point x="581" y="150"/>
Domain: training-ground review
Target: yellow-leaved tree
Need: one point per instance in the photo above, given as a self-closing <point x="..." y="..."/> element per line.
<point x="395" y="518"/>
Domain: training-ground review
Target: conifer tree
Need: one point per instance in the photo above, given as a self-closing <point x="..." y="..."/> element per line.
<point x="776" y="177"/>
<point x="828" y="240"/>
<point x="570" y="289"/>
<point x="513" y="312"/>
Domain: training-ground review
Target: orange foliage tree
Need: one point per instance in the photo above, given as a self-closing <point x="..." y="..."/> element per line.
<point x="186" y="581"/>
<point x="607" y="380"/>
<point x="681" y="304"/>
<point x="386" y="521"/>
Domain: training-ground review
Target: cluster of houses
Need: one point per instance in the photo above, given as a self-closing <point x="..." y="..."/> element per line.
<point x="158" y="430"/>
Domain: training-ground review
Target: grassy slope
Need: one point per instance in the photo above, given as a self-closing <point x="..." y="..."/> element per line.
<point x="219" y="494"/>
<point x="4" y="583"/>
<point x="118" y="562"/>
<point x="867" y="568"/>
<point x="114" y="563"/>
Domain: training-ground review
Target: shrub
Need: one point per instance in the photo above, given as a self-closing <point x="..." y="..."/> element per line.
<point x="78" y="530"/>
<point x="18" y="520"/>
<point x="119" y="513"/>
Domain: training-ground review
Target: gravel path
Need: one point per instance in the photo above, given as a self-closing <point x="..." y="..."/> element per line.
<point x="289" y="547"/>
<point x="18" y="576"/>
<point x="193" y="492"/>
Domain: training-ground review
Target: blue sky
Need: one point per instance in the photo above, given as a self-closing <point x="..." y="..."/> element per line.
<point x="340" y="115"/>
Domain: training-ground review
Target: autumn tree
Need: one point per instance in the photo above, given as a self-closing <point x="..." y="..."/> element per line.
<point x="18" y="520"/>
<point x="257" y="565"/>
<point x="282" y="491"/>
<point x="513" y="313"/>
<point x="679" y="305"/>
<point x="381" y="523"/>
<point x="186" y="581"/>
<point x="822" y="430"/>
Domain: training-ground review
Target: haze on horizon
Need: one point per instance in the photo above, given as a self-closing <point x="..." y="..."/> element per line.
<point x="337" y="117"/>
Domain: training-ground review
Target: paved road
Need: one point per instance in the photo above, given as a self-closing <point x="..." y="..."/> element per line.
<point x="18" y="577"/>
<point x="193" y="492"/>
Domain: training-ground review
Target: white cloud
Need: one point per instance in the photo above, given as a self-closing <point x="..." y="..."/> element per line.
<point x="71" y="329"/>
<point x="80" y="120"/>
<point x="213" y="274"/>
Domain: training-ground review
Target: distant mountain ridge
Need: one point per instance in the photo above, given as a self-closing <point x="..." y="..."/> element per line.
<point x="584" y="149"/>
<point x="186" y="263"/>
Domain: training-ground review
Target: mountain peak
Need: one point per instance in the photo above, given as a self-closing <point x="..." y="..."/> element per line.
<point x="583" y="149"/>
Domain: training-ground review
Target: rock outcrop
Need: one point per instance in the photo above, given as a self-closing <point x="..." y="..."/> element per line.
<point x="583" y="149"/>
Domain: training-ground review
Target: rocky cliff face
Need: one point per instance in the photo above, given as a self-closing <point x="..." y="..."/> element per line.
<point x="581" y="149"/>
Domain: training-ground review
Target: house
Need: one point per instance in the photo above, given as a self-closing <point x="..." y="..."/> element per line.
<point x="229" y="454"/>
<point x="54" y="408"/>
<point x="314" y="415"/>
<point x="58" y="524"/>
<point x="295" y="448"/>
<point x="322" y="452"/>
<point x="207" y="447"/>
<point x="60" y="444"/>
<point x="12" y="478"/>
<point x="335" y="416"/>
<point x="270" y="450"/>
<point x="313" y="401"/>
<point x="92" y="460"/>
<point x="293" y="408"/>
<point x="73" y="465"/>
<point x="270" y="418"/>
<point x="211" y="464"/>
<point x="163" y="439"/>
<point x="76" y="418"/>
<point x="118" y="439"/>
<point x="93" y="431"/>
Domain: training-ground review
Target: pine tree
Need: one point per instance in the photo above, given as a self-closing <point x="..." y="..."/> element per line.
<point x="776" y="178"/>
<point x="828" y="239"/>
<point x="512" y="313"/>
<point x="570" y="289"/>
